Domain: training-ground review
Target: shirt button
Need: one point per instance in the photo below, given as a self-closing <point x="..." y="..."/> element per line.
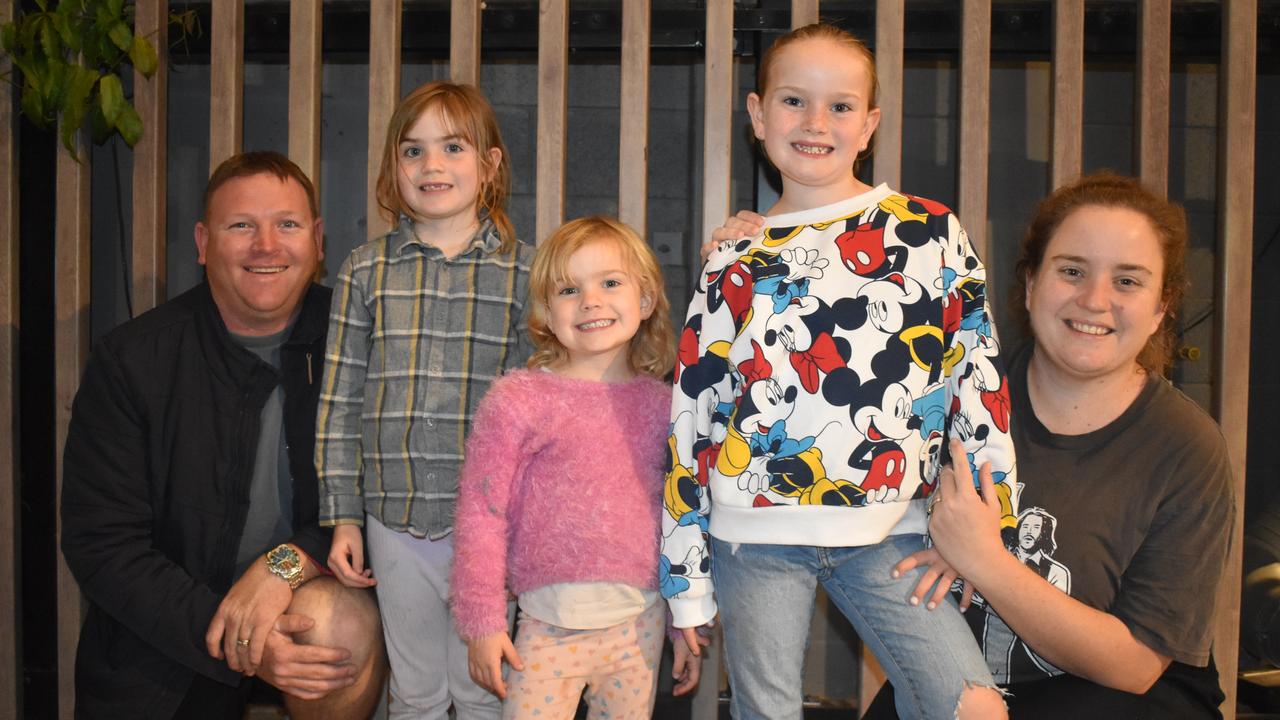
<point x="431" y="423"/>
<point x="435" y="369"/>
<point x="431" y="476"/>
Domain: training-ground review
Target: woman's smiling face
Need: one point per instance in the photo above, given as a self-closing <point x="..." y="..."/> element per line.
<point x="1097" y="296"/>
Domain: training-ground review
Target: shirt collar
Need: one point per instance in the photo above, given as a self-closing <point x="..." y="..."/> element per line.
<point x="486" y="238"/>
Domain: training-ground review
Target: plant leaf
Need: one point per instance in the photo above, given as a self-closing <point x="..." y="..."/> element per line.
<point x="59" y="79"/>
<point x="67" y="129"/>
<point x="116" y="6"/>
<point x="9" y="37"/>
<point x="48" y="36"/>
<point x="121" y="36"/>
<point x="62" y="24"/>
<point x="98" y="125"/>
<point x="33" y="105"/>
<point x="111" y="95"/>
<point x="143" y="56"/>
<point x="129" y="124"/>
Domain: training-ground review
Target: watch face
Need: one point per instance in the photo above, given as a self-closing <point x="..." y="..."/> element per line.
<point x="285" y="558"/>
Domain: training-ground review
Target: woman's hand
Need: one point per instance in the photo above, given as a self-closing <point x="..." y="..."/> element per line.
<point x="965" y="527"/>
<point x="484" y="661"/>
<point x="938" y="575"/>
<point x="346" y="558"/>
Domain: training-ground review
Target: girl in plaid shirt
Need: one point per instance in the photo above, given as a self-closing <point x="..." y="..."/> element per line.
<point x="423" y="319"/>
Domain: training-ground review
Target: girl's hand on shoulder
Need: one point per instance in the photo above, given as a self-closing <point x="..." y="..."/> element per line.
<point x="686" y="667"/>
<point x="484" y="661"/>
<point x="744" y="224"/>
<point x="346" y="558"/>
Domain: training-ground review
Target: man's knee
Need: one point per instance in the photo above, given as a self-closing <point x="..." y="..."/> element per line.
<point x="344" y="617"/>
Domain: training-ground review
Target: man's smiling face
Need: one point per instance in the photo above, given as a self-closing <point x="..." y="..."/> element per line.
<point x="260" y="246"/>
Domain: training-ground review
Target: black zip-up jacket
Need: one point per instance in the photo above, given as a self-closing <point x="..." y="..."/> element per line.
<point x="155" y="492"/>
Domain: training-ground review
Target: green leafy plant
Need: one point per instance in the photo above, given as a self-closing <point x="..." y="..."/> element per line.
<point x="70" y="58"/>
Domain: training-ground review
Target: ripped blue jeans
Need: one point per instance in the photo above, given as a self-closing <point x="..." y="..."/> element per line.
<point x="766" y="599"/>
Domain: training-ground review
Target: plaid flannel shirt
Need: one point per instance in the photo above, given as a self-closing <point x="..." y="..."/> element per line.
<point x="414" y="341"/>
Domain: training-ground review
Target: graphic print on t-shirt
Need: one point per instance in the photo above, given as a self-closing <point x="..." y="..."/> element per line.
<point x="1033" y="541"/>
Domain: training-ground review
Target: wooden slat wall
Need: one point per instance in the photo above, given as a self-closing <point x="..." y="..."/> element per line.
<point x="384" y="93"/>
<point x="150" y="177"/>
<point x="226" y="81"/>
<point x="71" y="349"/>
<point x="10" y="646"/>
<point x="1237" y="87"/>
<point x="305" y="71"/>
<point x="464" y="42"/>
<point x="1068" y="90"/>
<point x="803" y="12"/>
<point x="1151" y="96"/>
<point x="717" y="119"/>
<point x="890" y="26"/>
<point x="717" y="182"/>
<point x="975" y="111"/>
<point x="633" y="126"/>
<point x="553" y="98"/>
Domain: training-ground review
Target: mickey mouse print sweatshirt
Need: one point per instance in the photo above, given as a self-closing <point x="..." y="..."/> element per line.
<point x="822" y="367"/>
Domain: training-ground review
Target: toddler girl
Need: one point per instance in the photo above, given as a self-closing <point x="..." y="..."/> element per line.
<point x="423" y="319"/>
<point x="560" y="491"/>
<point x="824" y="362"/>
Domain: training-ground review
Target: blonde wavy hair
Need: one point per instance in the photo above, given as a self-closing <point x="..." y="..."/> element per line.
<point x="653" y="349"/>
<point x="466" y="112"/>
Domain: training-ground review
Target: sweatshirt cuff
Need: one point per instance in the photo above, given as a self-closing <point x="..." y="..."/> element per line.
<point x="692" y="612"/>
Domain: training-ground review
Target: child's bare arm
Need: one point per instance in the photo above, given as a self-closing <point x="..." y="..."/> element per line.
<point x="484" y="660"/>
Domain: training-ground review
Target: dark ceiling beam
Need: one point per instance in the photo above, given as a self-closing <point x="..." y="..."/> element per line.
<point x="1020" y="30"/>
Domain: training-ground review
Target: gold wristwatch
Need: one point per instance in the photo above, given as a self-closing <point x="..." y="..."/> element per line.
<point x="286" y="563"/>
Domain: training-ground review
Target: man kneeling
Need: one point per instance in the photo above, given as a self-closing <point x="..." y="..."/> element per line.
<point x="189" y="505"/>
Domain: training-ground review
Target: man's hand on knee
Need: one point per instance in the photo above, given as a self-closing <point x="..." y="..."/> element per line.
<point x="308" y="672"/>
<point x="243" y="622"/>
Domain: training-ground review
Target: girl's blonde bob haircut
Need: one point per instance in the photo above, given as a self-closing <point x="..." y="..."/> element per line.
<point x="653" y="349"/>
<point x="465" y="112"/>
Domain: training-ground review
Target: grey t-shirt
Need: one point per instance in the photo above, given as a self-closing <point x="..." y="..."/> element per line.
<point x="1132" y="519"/>
<point x="270" y="519"/>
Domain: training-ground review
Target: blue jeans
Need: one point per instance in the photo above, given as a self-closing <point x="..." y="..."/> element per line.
<point x="766" y="599"/>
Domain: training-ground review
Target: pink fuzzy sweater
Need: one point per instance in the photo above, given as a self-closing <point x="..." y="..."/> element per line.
<point x="562" y="483"/>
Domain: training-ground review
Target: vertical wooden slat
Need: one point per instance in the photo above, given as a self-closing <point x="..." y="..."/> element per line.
<point x="384" y="92"/>
<point x="717" y="182"/>
<point x="717" y="118"/>
<point x="1068" y="90"/>
<point x="975" y="111"/>
<point x="1151" y="96"/>
<point x="803" y="12"/>
<point x="553" y="82"/>
<point x="150" y="180"/>
<point x="1237" y="88"/>
<point x="633" y="136"/>
<point x="305" y="70"/>
<point x="10" y="642"/>
<point x="71" y="349"/>
<point x="464" y="42"/>
<point x="226" y="81"/>
<point x="890" y="25"/>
